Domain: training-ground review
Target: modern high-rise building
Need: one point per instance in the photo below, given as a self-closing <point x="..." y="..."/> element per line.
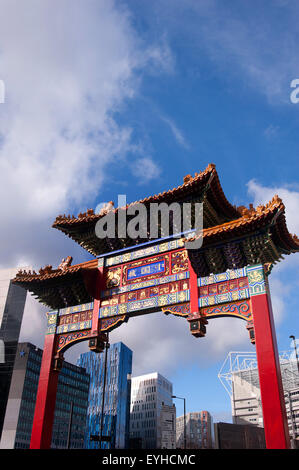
<point x="71" y="402"/>
<point x="239" y="376"/>
<point x="150" y="392"/>
<point x="12" y="303"/>
<point x="116" y="406"/>
<point x="199" y="431"/>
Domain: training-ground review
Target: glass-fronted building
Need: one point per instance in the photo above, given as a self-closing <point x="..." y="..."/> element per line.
<point x="12" y="303"/>
<point x="116" y="411"/>
<point x="73" y="387"/>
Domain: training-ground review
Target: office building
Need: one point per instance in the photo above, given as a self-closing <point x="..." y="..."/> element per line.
<point x="116" y="411"/>
<point x="199" y="431"/>
<point x="149" y="394"/>
<point x="12" y="303"/>
<point x="239" y="376"/>
<point x="73" y="387"/>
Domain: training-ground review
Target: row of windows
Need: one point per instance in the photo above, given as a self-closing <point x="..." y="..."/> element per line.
<point x="150" y="397"/>
<point x="147" y="414"/>
<point x="151" y="423"/>
<point x="30" y="374"/>
<point x="66" y="396"/>
<point x="73" y="382"/>
<point x="33" y="366"/>
<point x="149" y="406"/>
<point x="29" y="394"/>
<point x="150" y="433"/>
<point x="21" y="445"/>
<point x="136" y="416"/>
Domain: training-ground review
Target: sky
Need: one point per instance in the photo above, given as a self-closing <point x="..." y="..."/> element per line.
<point x="108" y="97"/>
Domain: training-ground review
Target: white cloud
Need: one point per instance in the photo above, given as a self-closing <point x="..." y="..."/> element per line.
<point x="164" y="343"/>
<point x="271" y="131"/>
<point x="145" y="169"/>
<point x="263" y="194"/>
<point x="34" y="323"/>
<point x="176" y="132"/>
<point x="279" y="290"/>
<point x="68" y="67"/>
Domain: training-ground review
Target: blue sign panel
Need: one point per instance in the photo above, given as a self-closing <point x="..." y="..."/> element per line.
<point x="146" y="270"/>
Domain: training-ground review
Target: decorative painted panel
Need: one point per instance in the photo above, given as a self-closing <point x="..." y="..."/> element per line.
<point x="84" y="325"/>
<point x="181" y="310"/>
<point x="226" y="287"/>
<point x="111" y="322"/>
<point x="146" y="270"/>
<point x="150" y="303"/>
<point x="143" y="253"/>
<point x="256" y="279"/>
<point x="221" y="298"/>
<point x="52" y="318"/>
<point x="65" y="340"/>
<point x="225" y="276"/>
<point x="75" y="317"/>
<point x="238" y="309"/>
<point x="76" y="309"/>
<point x="145" y="284"/>
<point x="152" y="268"/>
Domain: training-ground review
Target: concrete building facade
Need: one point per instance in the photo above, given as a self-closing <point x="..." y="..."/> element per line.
<point x="199" y="431"/>
<point x="239" y="376"/>
<point x="168" y="427"/>
<point x="12" y="304"/>
<point x="150" y="392"/>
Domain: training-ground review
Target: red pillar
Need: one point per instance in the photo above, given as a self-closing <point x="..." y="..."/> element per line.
<point x="41" y="435"/>
<point x="273" y="404"/>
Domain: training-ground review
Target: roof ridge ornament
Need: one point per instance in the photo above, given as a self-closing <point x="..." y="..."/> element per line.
<point x="23" y="272"/>
<point x="210" y="167"/>
<point x="187" y="179"/>
<point x="65" y="263"/>
<point x="295" y="238"/>
<point x="109" y="206"/>
<point x="247" y="212"/>
<point x="46" y="270"/>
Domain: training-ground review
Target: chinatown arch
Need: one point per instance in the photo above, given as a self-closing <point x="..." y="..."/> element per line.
<point x="226" y="277"/>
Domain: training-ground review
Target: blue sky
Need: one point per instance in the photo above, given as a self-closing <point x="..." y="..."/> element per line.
<point x="127" y="97"/>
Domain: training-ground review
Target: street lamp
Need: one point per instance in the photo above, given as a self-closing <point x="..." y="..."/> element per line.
<point x="180" y="398"/>
<point x="294" y="339"/>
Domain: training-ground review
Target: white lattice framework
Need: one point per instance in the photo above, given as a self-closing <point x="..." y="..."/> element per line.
<point x="244" y="364"/>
